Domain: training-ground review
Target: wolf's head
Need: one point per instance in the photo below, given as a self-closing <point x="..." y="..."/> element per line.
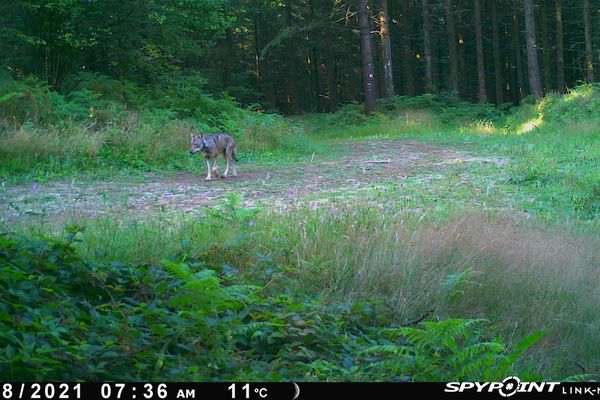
<point x="197" y="143"/>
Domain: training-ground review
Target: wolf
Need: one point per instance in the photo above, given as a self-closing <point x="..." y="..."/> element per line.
<point x="214" y="146"/>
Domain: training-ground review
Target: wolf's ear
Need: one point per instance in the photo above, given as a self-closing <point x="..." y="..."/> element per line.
<point x="201" y="135"/>
<point x="192" y="136"/>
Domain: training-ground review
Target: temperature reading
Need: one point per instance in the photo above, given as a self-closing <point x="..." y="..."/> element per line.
<point x="247" y="391"/>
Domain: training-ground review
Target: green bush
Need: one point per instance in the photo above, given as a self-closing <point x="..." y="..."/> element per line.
<point x="102" y="123"/>
<point x="66" y="318"/>
<point x="29" y="99"/>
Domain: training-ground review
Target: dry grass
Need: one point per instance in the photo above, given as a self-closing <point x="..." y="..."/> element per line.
<point x="479" y="127"/>
<point x="421" y="119"/>
<point x="523" y="278"/>
<point x="25" y="146"/>
<point x="29" y="143"/>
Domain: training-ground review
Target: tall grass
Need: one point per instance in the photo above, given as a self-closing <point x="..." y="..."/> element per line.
<point x="521" y="275"/>
<point x="105" y="125"/>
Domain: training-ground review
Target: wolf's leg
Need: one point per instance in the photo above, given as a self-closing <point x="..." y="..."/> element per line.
<point x="228" y="158"/>
<point x="208" y="175"/>
<point x="215" y="168"/>
<point x="229" y="154"/>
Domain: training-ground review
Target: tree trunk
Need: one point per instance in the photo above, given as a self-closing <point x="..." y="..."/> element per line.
<point x="463" y="84"/>
<point x="347" y="84"/>
<point x="589" y="63"/>
<point x="407" y="52"/>
<point x="520" y="89"/>
<point x="560" y="52"/>
<point x="480" y="60"/>
<point x="546" y="55"/>
<point x="366" y="50"/>
<point x="377" y="50"/>
<point x="386" y="49"/>
<point x="533" y="69"/>
<point x="497" y="56"/>
<point x="292" y="70"/>
<point x="427" y="47"/>
<point x="330" y="74"/>
<point x="226" y="47"/>
<point x="436" y="62"/>
<point x="314" y="62"/>
<point x="452" y="52"/>
<point x="257" y="66"/>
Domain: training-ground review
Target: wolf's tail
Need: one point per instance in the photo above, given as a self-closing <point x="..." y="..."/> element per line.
<point x="233" y="156"/>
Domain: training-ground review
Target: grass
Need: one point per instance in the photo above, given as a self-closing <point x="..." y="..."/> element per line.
<point x="521" y="275"/>
<point x="553" y="146"/>
<point x="516" y="242"/>
<point x="108" y="127"/>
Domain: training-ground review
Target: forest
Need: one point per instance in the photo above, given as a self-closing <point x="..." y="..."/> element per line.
<point x="417" y="197"/>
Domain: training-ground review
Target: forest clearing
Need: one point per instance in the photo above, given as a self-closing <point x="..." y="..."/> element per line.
<point x="362" y="166"/>
<point x="417" y="199"/>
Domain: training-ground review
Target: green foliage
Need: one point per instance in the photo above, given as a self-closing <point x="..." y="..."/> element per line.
<point x="27" y="100"/>
<point x="402" y="115"/>
<point x="428" y="353"/>
<point x="67" y="318"/>
<point x="139" y="40"/>
<point x="102" y="123"/>
<point x="448" y="106"/>
<point x="586" y="197"/>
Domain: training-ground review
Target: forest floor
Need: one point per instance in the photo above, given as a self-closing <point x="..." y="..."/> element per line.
<point x="358" y="171"/>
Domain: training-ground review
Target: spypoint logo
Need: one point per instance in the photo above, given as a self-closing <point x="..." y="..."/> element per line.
<point x="508" y="387"/>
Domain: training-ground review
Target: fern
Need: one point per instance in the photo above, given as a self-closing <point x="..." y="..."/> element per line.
<point x="453" y="349"/>
<point x="203" y="292"/>
<point x="177" y="270"/>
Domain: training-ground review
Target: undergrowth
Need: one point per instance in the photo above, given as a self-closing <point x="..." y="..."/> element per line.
<point x="66" y="318"/>
<point x="329" y="267"/>
<point x="104" y="126"/>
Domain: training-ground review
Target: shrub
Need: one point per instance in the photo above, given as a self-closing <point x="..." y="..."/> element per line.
<point x="27" y="100"/>
<point x="66" y="318"/>
<point x="63" y="317"/>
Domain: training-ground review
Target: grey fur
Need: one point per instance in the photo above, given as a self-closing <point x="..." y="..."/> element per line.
<point x="215" y="145"/>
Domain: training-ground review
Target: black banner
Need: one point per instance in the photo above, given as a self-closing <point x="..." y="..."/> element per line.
<point x="510" y="387"/>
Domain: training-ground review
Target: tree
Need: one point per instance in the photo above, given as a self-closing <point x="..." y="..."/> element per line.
<point x="518" y="61"/>
<point x="546" y="56"/>
<point x="452" y="51"/>
<point x="386" y="49"/>
<point x="429" y="88"/>
<point x="330" y="71"/>
<point x="560" y="52"/>
<point x="407" y="51"/>
<point x="480" y="60"/>
<point x="533" y="69"/>
<point x="300" y="56"/>
<point x="589" y="63"/>
<point x="292" y="69"/>
<point x="497" y="56"/>
<point x="315" y="80"/>
<point x="226" y="53"/>
<point x="366" y="50"/>
<point x="463" y="84"/>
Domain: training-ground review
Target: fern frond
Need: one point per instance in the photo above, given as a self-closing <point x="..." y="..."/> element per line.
<point x="177" y="270"/>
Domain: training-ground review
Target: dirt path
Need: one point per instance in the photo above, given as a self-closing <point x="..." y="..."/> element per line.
<point x="363" y="165"/>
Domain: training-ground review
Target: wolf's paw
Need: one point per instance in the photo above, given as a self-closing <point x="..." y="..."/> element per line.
<point x="207" y="179"/>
